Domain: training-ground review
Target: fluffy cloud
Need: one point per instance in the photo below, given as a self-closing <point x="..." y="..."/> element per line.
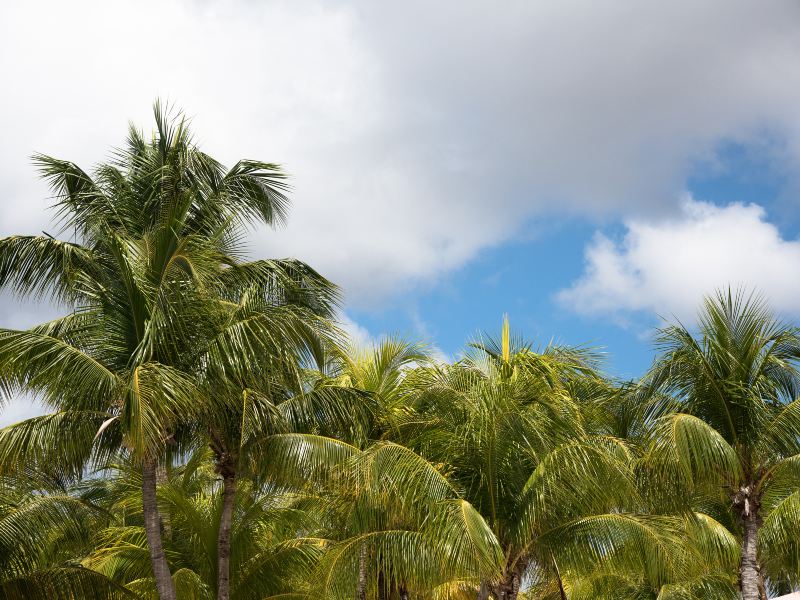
<point x="356" y="333"/>
<point x="417" y="133"/>
<point x="667" y="266"/>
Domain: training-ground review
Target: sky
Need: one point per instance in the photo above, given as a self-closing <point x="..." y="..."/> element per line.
<point x="589" y="168"/>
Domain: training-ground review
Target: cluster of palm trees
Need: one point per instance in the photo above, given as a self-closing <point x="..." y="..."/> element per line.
<point x="214" y="435"/>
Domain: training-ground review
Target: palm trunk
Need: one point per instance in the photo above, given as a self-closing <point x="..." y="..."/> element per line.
<point x="361" y="592"/>
<point x="162" y="478"/>
<point x="514" y="592"/>
<point x="749" y="576"/>
<point x="750" y="581"/>
<point x="224" y="537"/>
<point x="483" y="591"/>
<point x="152" y="527"/>
<point x="508" y="588"/>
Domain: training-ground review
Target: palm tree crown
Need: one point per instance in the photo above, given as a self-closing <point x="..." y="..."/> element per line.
<point x="736" y="424"/>
<point x="157" y="290"/>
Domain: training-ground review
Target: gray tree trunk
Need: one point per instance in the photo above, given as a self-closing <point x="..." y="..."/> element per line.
<point x="515" y="584"/>
<point x="152" y="527"/>
<point x="361" y="591"/>
<point x="508" y="587"/>
<point x="224" y="537"/>
<point x="750" y="581"/>
<point x="162" y="478"/>
<point x="483" y="592"/>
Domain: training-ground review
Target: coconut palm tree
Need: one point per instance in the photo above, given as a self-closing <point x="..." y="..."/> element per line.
<point x="734" y="434"/>
<point x="377" y="499"/>
<point x="396" y="526"/>
<point x="157" y="242"/>
<point x="505" y="423"/>
<point x="268" y="396"/>
<point x="269" y="558"/>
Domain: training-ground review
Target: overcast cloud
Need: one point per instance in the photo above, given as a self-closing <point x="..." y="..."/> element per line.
<point x="417" y="133"/>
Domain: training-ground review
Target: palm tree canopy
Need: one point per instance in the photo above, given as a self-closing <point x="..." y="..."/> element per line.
<point x="155" y="281"/>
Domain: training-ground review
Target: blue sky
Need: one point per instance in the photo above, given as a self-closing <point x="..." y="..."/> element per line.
<point x="522" y="277"/>
<point x="581" y="166"/>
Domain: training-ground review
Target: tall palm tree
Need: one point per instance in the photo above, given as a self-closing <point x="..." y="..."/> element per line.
<point x="380" y="370"/>
<point x="269" y="395"/>
<point x="395" y="524"/>
<point x="504" y="421"/>
<point x="157" y="241"/>
<point x="735" y="431"/>
<point x="269" y="557"/>
<point x="384" y="496"/>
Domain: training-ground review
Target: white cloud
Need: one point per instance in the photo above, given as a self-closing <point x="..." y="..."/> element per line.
<point x="668" y="265"/>
<point x="20" y="408"/>
<point x="358" y="335"/>
<point x="417" y="133"/>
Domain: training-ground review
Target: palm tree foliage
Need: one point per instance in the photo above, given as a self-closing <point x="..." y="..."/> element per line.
<point x="507" y="422"/>
<point x="734" y="433"/>
<point x="268" y="558"/>
<point x="44" y="530"/>
<point x="160" y="301"/>
<point x="214" y="435"/>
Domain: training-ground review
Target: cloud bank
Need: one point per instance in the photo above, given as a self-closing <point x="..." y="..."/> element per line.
<point x="417" y="133"/>
<point x="667" y="266"/>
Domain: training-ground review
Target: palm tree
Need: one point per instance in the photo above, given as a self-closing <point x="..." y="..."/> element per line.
<point x="395" y="524"/>
<point x="382" y="498"/>
<point x="268" y="395"/>
<point x="268" y="556"/>
<point x="157" y="236"/>
<point x="505" y="422"/>
<point x="379" y="370"/>
<point x="734" y="434"/>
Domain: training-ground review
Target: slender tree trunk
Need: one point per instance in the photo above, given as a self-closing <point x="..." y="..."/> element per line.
<point x="749" y="576"/>
<point x="514" y="590"/>
<point x="152" y="527"/>
<point x="225" y="465"/>
<point x="509" y="590"/>
<point x="162" y="478"/>
<point x="483" y="591"/>
<point x="508" y="586"/>
<point x="750" y="581"/>
<point x="224" y="538"/>
<point x="361" y="592"/>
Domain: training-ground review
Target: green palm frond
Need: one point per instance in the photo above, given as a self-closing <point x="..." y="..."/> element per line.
<point x="60" y="372"/>
<point x="62" y="583"/>
<point x="686" y="447"/>
<point x="62" y="442"/>
<point x="45" y="267"/>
